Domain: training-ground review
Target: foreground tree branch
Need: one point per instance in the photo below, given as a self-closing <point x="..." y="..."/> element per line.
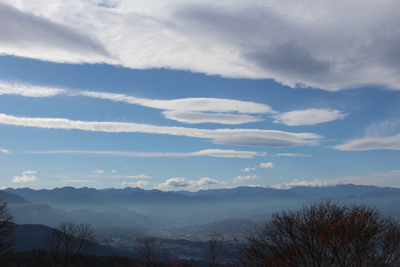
<point x="7" y="228"/>
<point x="69" y="241"/>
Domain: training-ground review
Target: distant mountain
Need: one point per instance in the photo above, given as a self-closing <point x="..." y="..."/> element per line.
<point x="155" y="208"/>
<point x="26" y="212"/>
<point x="12" y="198"/>
<point x="333" y="191"/>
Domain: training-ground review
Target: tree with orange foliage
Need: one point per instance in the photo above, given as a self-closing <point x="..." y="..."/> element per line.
<point x="326" y="234"/>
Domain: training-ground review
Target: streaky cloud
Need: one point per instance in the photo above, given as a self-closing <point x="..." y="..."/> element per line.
<point x="247" y="137"/>
<point x="176" y="105"/>
<point x="219" y="153"/>
<point x="292" y="155"/>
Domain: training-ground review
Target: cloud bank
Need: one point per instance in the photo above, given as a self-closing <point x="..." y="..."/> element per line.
<point x="135" y="184"/>
<point x="240" y="178"/>
<point x="183" y="182"/>
<point x="326" y="44"/>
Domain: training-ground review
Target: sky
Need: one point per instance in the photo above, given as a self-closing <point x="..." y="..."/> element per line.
<point x="190" y="95"/>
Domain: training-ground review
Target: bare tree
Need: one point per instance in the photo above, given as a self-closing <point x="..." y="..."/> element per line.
<point x="68" y="242"/>
<point x="7" y="228"/>
<point x="151" y="250"/>
<point x="213" y="251"/>
<point x="324" y="235"/>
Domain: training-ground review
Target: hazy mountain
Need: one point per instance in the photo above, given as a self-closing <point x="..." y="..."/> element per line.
<point x="333" y="191"/>
<point x="139" y="208"/>
<point x="12" y="198"/>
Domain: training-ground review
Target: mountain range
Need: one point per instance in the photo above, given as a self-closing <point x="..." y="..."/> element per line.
<point x="142" y="210"/>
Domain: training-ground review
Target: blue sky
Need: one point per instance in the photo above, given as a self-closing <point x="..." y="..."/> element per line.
<point x="194" y="95"/>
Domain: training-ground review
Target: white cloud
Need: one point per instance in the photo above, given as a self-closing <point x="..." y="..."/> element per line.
<point x="295" y="43"/>
<point x="371" y="143"/>
<point x="5" y="151"/>
<point x="139" y="176"/>
<point x="98" y="171"/>
<point x="183" y="182"/>
<point x="266" y="165"/>
<point x="219" y="153"/>
<point x="199" y="117"/>
<point x="240" y="178"/>
<point x="310" y="116"/>
<point x="78" y="181"/>
<point x="113" y="171"/>
<point x="178" y="108"/>
<point x="292" y="155"/>
<point x="249" y="137"/>
<point x="248" y="169"/>
<point x="135" y="184"/>
<point x="27" y="176"/>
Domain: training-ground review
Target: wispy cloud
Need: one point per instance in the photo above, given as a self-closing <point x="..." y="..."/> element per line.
<point x="27" y="176"/>
<point x="98" y="171"/>
<point x="183" y="182"/>
<point x="371" y="143"/>
<point x="219" y="153"/>
<point x="292" y="155"/>
<point x="78" y="181"/>
<point x="229" y="38"/>
<point x="310" y="116"/>
<point x="138" y="176"/>
<point x="5" y="151"/>
<point x="249" y="137"/>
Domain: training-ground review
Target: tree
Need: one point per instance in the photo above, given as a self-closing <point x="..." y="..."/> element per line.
<point x="7" y="228"/>
<point x="68" y="242"/>
<point x="324" y="234"/>
<point x="213" y="250"/>
<point x="151" y="251"/>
